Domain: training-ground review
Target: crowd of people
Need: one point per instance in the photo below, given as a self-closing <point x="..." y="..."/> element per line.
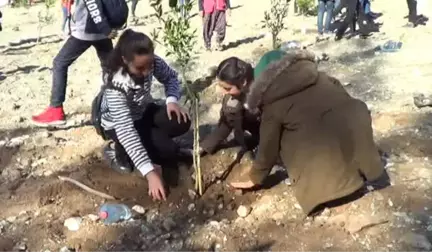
<point x="283" y="109"/>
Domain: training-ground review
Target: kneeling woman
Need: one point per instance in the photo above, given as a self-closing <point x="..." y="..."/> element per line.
<point x="142" y="131"/>
<point x="323" y="135"/>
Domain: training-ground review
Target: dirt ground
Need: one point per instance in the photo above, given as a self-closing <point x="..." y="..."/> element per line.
<point x="35" y="203"/>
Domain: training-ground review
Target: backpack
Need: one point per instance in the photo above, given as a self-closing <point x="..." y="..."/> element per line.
<point x="96" y="113"/>
<point x="117" y="12"/>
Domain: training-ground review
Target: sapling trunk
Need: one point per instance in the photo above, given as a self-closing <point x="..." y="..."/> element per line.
<point x="194" y="102"/>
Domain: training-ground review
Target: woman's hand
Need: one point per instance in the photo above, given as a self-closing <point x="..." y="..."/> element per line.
<point x="173" y="107"/>
<point x="155" y="183"/>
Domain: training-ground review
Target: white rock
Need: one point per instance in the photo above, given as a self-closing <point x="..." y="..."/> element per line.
<point x="192" y="194"/>
<point x="64" y="249"/>
<point x="93" y="217"/>
<point x="243" y="211"/>
<point x="139" y="209"/>
<point x="11" y="219"/>
<point x="296" y="205"/>
<point x="73" y="223"/>
<point x="191" y="207"/>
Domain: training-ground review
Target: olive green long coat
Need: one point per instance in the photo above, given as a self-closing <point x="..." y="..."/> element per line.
<point x="323" y="135"/>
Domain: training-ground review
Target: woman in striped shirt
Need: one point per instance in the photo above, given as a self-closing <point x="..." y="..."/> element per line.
<point x="141" y="131"/>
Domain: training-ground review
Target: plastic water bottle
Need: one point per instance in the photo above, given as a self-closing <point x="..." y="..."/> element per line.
<point x="391" y="46"/>
<point x="113" y="213"/>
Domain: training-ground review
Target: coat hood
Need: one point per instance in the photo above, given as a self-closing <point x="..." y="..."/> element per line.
<point x="293" y="73"/>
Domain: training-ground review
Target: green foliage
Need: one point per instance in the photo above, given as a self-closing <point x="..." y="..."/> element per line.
<point x="20" y="3"/>
<point x="177" y="35"/>
<point x="307" y="7"/>
<point x="179" y="39"/>
<point x="274" y="20"/>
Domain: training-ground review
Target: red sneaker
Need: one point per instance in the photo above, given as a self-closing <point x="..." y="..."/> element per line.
<point x="52" y="116"/>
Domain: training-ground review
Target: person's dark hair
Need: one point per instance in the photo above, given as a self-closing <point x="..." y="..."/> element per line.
<point x="235" y="71"/>
<point x="130" y="43"/>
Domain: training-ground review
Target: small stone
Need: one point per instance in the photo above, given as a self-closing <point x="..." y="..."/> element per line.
<point x="220" y="206"/>
<point x="297" y="206"/>
<point x="243" y="211"/>
<point x="145" y="228"/>
<point x="73" y="223"/>
<point x="192" y="194"/>
<point x="218" y="247"/>
<point x="65" y="249"/>
<point x="139" y="209"/>
<point x="211" y="212"/>
<point x="390" y="202"/>
<point x="169" y="224"/>
<point x="11" y="219"/>
<point x="93" y="217"/>
<point x="418" y="241"/>
<point x="191" y="207"/>
<point x="288" y="181"/>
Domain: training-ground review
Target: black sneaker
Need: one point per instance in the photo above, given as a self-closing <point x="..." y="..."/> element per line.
<point x="109" y="155"/>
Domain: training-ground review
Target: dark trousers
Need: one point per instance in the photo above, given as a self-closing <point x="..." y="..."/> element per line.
<point x="133" y="7"/>
<point x="214" y="22"/>
<point x="412" y="10"/>
<point x="350" y="18"/>
<point x="156" y="132"/>
<point x="72" y="50"/>
<point x="325" y="6"/>
<point x="355" y="14"/>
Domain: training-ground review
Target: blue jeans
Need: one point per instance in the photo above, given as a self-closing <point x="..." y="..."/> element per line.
<point x="365" y="4"/>
<point x="325" y="6"/>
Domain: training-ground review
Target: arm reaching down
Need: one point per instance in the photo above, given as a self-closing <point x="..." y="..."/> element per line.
<point x="126" y="132"/>
<point x="269" y="147"/>
<point x="169" y="78"/>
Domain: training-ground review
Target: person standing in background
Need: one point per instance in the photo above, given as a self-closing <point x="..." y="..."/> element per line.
<point x="325" y="6"/>
<point x="133" y="9"/>
<point x="414" y="19"/>
<point x="214" y="13"/>
<point x="66" y="9"/>
<point x="85" y="33"/>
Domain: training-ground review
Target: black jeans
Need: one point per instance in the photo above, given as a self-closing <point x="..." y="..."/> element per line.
<point x="412" y="10"/>
<point x="71" y="50"/>
<point x="350" y="18"/>
<point x="133" y="7"/>
<point x="156" y="132"/>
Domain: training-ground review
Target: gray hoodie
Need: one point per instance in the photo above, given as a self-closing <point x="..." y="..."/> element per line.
<point x="88" y="21"/>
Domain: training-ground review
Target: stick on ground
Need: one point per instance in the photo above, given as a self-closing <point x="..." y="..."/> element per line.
<point x="86" y="188"/>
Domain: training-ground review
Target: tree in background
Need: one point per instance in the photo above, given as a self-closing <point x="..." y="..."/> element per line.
<point x="274" y="20"/>
<point x="180" y="40"/>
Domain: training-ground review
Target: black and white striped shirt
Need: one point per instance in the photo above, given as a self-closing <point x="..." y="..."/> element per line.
<point x="127" y="102"/>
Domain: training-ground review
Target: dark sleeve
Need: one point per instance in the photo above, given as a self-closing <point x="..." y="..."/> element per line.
<point x="168" y="77"/>
<point x="99" y="18"/>
<point x="200" y="5"/>
<point x="212" y="141"/>
<point x="228" y="4"/>
<point x="268" y="149"/>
